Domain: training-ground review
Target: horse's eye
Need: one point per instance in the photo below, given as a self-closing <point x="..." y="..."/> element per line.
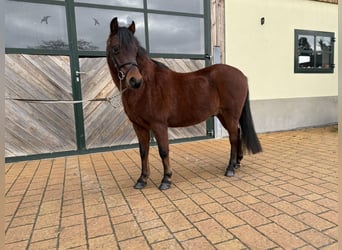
<point x="116" y="50"/>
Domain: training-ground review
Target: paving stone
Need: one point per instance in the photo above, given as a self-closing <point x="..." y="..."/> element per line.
<point x="167" y="244"/>
<point x="315" y="238"/>
<point x="99" y="226"/>
<point x="315" y="221"/>
<point x="175" y="221"/>
<point x="157" y="234"/>
<point x="88" y="201"/>
<point x="45" y="234"/>
<point x="291" y="224"/>
<point x="252" y="238"/>
<point x="200" y="243"/>
<point x="281" y="236"/>
<point x="103" y="242"/>
<point x="138" y="243"/>
<point x="232" y="244"/>
<point x="127" y="230"/>
<point x="253" y="218"/>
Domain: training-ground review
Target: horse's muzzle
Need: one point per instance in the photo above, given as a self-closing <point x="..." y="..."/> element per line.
<point x="135" y="83"/>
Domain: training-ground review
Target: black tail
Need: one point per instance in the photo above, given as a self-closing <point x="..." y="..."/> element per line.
<point x="249" y="137"/>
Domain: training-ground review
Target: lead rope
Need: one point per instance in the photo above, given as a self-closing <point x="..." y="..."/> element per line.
<point x="111" y="100"/>
<point x="114" y="101"/>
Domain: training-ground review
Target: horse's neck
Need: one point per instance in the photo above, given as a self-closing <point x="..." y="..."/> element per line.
<point x="144" y="61"/>
<point x="148" y="67"/>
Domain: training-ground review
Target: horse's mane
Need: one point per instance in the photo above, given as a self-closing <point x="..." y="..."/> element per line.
<point x="127" y="39"/>
<point x="142" y="52"/>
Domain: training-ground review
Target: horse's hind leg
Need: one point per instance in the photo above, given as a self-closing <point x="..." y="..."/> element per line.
<point x="233" y="161"/>
<point x="163" y="146"/>
<point x="240" y="151"/>
<point x="144" y="144"/>
<point x="235" y="142"/>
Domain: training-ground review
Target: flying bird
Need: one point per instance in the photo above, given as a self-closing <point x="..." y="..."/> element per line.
<point x="45" y="19"/>
<point x="96" y="22"/>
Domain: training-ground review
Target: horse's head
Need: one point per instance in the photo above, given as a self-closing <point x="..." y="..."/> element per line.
<point x="122" y="49"/>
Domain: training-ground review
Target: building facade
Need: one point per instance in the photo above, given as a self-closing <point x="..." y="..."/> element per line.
<point x="55" y="63"/>
<point x="291" y="86"/>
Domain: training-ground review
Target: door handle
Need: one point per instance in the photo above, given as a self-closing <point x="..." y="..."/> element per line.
<point x="80" y="72"/>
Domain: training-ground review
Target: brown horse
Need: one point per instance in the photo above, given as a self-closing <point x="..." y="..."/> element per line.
<point x="155" y="98"/>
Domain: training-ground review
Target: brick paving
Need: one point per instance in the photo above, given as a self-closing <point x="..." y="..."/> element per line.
<point x="283" y="198"/>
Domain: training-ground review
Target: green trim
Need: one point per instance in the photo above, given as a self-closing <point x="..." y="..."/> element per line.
<point x="207" y="32"/>
<point x="40" y="1"/>
<point x="208" y="53"/>
<point x="85" y="53"/>
<point x="76" y="85"/>
<point x="178" y="56"/>
<point x="96" y="150"/>
<point x="313" y="33"/>
<point x="110" y="7"/>
<point x="147" y="35"/>
<point x="37" y="51"/>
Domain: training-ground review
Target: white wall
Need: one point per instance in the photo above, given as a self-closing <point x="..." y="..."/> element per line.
<point x="265" y="53"/>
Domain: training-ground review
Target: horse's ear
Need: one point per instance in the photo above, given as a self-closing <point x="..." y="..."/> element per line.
<point x="114" y="26"/>
<point x="132" y="27"/>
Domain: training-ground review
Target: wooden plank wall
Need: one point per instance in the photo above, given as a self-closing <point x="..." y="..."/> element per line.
<point x="104" y="124"/>
<point x="218" y="26"/>
<point x="32" y="128"/>
<point x="35" y="128"/>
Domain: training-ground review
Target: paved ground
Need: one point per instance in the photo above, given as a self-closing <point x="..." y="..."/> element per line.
<point x="283" y="198"/>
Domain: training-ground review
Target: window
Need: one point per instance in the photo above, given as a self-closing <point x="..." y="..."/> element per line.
<point x="188" y="6"/>
<point x="176" y="34"/>
<point x="35" y="26"/>
<point x="164" y="28"/>
<point x="314" y="51"/>
<point x="92" y="26"/>
<point x="123" y="3"/>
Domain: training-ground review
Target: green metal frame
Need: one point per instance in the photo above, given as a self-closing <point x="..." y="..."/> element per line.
<point x="297" y="69"/>
<point x="75" y="54"/>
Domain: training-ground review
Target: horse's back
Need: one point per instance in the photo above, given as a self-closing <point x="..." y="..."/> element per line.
<point x="226" y="72"/>
<point x="226" y="78"/>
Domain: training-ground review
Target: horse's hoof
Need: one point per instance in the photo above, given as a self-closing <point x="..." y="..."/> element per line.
<point x="229" y="173"/>
<point x="165" y="185"/>
<point x="140" y="185"/>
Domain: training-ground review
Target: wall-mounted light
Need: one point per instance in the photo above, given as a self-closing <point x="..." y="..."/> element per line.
<point x="262" y="20"/>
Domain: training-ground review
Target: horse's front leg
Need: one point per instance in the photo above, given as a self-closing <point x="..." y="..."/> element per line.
<point x="144" y="145"/>
<point x="163" y="146"/>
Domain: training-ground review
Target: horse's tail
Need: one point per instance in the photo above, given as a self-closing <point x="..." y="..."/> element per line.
<point x="249" y="137"/>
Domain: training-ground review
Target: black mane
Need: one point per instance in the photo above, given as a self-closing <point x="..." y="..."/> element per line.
<point x="160" y="64"/>
<point x="142" y="52"/>
<point x="128" y="40"/>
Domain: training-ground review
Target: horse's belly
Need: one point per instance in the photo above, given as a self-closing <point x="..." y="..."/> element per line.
<point x="184" y="123"/>
<point x="190" y="117"/>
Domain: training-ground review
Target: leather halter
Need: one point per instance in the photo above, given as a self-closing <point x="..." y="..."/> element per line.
<point x="121" y="74"/>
